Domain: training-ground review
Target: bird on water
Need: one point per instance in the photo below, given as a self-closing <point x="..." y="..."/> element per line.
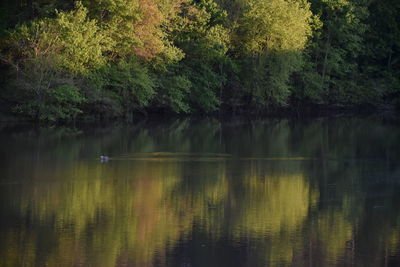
<point x="104" y="158"/>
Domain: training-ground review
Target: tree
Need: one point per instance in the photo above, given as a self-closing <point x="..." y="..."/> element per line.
<point x="199" y="31"/>
<point x="271" y="35"/>
<point x="47" y="56"/>
<point x="131" y="84"/>
<point x="332" y="75"/>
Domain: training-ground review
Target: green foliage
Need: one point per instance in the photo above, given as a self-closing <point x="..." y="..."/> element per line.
<point x="81" y="41"/>
<point x="173" y="91"/>
<point x="132" y="81"/>
<point x="124" y="86"/>
<point x="48" y="56"/>
<point x="118" y="20"/>
<point x="205" y="86"/>
<point x="71" y="41"/>
<point x="271" y="36"/>
<point x="273" y="25"/>
<point x="136" y="26"/>
<point x="332" y="72"/>
<point x="201" y="34"/>
<point x="200" y="55"/>
<point x="57" y="103"/>
<point x="62" y="105"/>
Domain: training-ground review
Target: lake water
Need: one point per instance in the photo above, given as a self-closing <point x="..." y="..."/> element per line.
<point x="202" y="192"/>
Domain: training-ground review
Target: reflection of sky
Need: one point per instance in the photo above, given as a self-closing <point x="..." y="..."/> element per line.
<point x="285" y="200"/>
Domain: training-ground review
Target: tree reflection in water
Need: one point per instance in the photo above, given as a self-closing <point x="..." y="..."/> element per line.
<point x="335" y="203"/>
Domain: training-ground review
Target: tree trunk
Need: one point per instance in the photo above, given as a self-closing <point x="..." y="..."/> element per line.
<point x="325" y="66"/>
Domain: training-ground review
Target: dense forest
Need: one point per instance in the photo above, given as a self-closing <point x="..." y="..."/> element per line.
<point x="62" y="60"/>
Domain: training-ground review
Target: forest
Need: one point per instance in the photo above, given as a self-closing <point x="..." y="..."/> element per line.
<point x="106" y="59"/>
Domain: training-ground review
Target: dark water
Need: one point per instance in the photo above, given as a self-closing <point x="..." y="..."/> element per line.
<point x="320" y="192"/>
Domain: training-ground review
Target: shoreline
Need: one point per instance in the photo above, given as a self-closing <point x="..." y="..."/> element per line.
<point x="391" y="114"/>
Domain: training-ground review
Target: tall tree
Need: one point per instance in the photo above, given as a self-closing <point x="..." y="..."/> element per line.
<point x="270" y="36"/>
<point x="333" y="71"/>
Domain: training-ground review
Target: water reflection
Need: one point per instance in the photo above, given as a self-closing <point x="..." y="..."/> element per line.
<point x="219" y="197"/>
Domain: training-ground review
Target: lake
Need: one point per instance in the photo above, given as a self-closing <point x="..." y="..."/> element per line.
<point x="202" y="192"/>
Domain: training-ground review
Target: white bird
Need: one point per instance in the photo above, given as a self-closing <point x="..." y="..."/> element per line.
<point x="104" y="158"/>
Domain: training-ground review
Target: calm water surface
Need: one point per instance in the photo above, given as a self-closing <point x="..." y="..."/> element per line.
<point x="318" y="192"/>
